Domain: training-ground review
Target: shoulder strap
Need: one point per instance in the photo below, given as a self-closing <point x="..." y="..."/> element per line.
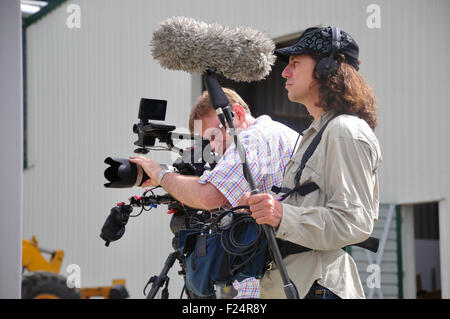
<point x="311" y="148"/>
<point x="307" y="188"/>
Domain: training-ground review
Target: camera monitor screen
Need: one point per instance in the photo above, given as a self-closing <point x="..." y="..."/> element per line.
<point x="150" y="109"/>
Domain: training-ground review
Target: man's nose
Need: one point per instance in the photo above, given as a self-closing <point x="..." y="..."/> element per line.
<point x="286" y="72"/>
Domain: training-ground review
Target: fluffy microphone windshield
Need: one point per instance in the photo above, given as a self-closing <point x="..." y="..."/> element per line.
<point x="240" y="54"/>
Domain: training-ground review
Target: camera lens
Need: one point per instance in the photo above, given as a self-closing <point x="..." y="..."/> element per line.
<point x="122" y="173"/>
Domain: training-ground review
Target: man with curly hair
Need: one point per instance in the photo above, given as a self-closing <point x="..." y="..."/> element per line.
<point x="322" y="73"/>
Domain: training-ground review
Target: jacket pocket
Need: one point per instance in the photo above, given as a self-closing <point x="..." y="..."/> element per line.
<point x="312" y="171"/>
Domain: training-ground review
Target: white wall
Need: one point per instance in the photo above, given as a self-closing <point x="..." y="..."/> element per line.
<point x="84" y="87"/>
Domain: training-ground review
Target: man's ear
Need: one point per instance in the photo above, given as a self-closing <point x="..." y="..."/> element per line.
<point x="239" y="111"/>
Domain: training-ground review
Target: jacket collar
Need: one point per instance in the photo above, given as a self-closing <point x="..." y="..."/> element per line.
<point x="316" y="126"/>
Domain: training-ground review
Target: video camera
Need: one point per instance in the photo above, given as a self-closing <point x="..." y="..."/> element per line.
<point x="121" y="173"/>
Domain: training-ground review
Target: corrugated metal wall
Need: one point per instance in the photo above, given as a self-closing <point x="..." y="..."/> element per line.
<point x="84" y="86"/>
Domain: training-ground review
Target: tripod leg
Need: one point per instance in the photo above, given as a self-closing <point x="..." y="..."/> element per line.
<point x="158" y="281"/>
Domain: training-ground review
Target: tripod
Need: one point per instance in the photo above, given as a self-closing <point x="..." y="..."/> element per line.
<point x="161" y="280"/>
<point x="178" y="221"/>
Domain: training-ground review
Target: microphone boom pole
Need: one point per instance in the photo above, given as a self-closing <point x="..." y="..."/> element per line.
<point x="220" y="103"/>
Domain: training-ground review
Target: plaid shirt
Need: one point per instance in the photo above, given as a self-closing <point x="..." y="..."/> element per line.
<point x="268" y="146"/>
<point x="247" y="288"/>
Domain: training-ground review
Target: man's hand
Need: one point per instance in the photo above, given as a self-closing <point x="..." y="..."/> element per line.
<point x="264" y="207"/>
<point x="186" y="189"/>
<point x="151" y="168"/>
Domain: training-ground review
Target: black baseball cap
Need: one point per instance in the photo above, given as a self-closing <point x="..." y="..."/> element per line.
<point x="319" y="40"/>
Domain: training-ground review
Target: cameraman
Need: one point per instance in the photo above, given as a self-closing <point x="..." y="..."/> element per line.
<point x="268" y="145"/>
<point x="344" y="167"/>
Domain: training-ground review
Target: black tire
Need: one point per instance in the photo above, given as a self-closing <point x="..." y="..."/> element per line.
<point x="47" y="285"/>
<point x="118" y="292"/>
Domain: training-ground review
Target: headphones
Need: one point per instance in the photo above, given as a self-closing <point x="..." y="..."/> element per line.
<point x="328" y="65"/>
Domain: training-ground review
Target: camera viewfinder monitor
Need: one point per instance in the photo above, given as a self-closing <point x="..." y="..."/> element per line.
<point x="151" y="109"/>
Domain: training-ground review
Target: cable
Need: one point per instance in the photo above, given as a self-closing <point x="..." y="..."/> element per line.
<point x="142" y="209"/>
<point x="142" y="202"/>
<point x="231" y="237"/>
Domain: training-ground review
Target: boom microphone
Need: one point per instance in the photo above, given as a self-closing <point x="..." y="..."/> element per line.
<point x="240" y="53"/>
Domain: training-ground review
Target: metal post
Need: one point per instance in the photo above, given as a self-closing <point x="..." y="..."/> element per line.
<point x="11" y="155"/>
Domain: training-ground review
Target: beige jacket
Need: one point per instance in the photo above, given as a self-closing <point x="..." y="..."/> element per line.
<point x="342" y="212"/>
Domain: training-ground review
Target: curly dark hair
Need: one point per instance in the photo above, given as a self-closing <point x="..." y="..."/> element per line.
<point x="347" y="91"/>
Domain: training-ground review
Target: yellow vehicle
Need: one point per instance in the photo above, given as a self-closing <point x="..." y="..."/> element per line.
<point x="44" y="281"/>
